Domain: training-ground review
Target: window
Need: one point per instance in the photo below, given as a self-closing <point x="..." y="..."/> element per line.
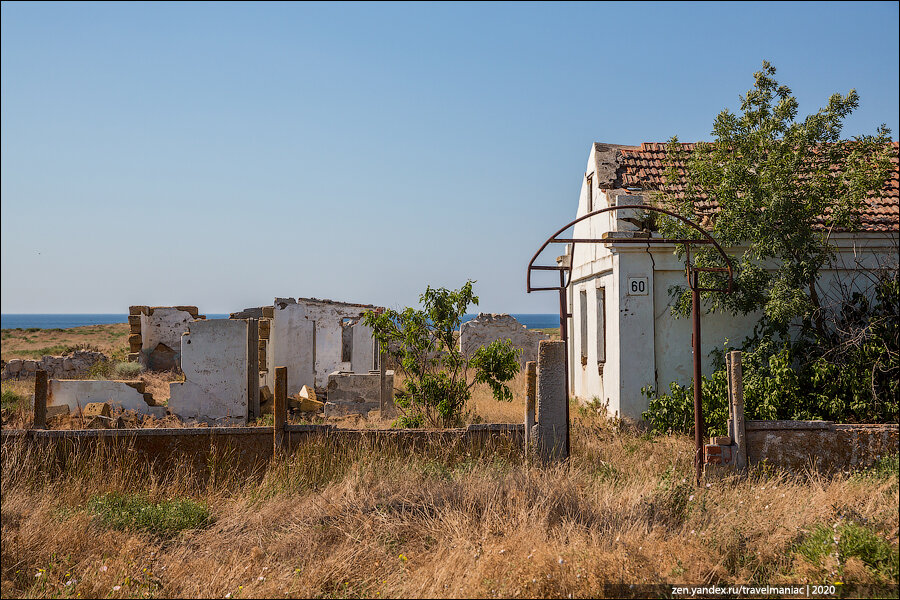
<point x="601" y="325"/>
<point x="590" y="192"/>
<point x="346" y="339"/>
<point x="582" y="305"/>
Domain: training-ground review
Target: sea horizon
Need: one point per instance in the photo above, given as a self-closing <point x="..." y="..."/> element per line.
<point x="69" y="320"/>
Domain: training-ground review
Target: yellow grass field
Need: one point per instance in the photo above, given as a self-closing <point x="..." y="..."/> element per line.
<point x="35" y="343"/>
<point x="334" y="521"/>
<point x="339" y="521"/>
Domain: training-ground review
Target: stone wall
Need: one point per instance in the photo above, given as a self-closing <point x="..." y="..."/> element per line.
<point x="485" y="328"/>
<point x="59" y="367"/>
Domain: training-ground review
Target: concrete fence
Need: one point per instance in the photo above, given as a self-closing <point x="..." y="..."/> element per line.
<point x="794" y="445"/>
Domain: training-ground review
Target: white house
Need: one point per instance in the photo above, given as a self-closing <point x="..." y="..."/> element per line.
<point x="622" y="336"/>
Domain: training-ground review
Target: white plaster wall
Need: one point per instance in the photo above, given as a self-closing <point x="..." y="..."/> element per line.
<point x="78" y="393"/>
<point x="363" y="354"/>
<point x="646" y="345"/>
<point x="291" y="342"/>
<point x="214" y="360"/>
<point x="164" y="326"/>
<point x="291" y="345"/>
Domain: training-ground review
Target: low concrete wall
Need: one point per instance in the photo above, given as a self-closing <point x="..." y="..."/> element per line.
<point x="246" y="449"/>
<point x="357" y="393"/>
<point x="829" y="446"/>
<point x="78" y="393"/>
<point x="793" y="445"/>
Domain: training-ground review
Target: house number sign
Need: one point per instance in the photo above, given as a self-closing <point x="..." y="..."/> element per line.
<point x="637" y="286"/>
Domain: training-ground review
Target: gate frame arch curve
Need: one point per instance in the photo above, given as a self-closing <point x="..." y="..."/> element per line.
<point x="692" y="273"/>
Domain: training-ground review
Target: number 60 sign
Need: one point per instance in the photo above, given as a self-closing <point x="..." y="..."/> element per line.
<point x="637" y="286"/>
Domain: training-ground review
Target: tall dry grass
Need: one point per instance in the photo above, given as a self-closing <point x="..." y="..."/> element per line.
<point x="333" y="520"/>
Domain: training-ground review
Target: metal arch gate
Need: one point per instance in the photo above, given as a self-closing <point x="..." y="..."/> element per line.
<point x="565" y="278"/>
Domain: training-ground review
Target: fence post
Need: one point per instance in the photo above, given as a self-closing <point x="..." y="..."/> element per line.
<point x="530" y="401"/>
<point x="40" y="399"/>
<point x="280" y="406"/>
<point x="552" y="401"/>
<point x="736" y="392"/>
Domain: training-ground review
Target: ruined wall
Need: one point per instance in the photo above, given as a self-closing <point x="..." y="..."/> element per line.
<point x="156" y="331"/>
<point x="59" y="367"/>
<point x="358" y="393"/>
<point x="78" y="393"/>
<point x="215" y="361"/>
<point x="486" y="328"/>
<point x="313" y="337"/>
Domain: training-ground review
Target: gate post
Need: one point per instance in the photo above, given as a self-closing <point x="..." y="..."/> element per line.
<point x="280" y="407"/>
<point x="552" y="427"/>
<point x="736" y="393"/>
<point x="530" y="399"/>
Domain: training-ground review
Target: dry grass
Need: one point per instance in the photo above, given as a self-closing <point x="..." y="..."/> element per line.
<point x="336" y="521"/>
<point x="34" y="343"/>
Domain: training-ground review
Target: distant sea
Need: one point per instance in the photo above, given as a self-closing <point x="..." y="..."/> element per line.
<point x="532" y="321"/>
<point x="66" y="321"/>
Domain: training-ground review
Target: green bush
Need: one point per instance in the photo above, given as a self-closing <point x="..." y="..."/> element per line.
<point x="423" y="344"/>
<point x="127" y="370"/>
<point x="137" y="512"/>
<point x="849" y="375"/>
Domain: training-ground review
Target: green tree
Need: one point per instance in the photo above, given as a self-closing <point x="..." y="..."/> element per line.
<point x="775" y="188"/>
<point x="782" y="187"/>
<point x="423" y="346"/>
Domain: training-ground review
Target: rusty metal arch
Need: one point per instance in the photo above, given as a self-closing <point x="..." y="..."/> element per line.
<point x="693" y="283"/>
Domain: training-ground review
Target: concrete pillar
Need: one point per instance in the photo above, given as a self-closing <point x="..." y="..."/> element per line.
<point x="40" y="399"/>
<point x="736" y="393"/>
<point x="530" y="400"/>
<point x="280" y="409"/>
<point x="552" y="427"/>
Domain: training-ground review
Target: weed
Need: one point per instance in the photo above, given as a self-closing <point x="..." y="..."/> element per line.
<point x="136" y="512"/>
<point x="14" y="401"/>
<point x="850" y="540"/>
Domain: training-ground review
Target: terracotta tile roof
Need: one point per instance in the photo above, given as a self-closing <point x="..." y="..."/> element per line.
<point x="644" y="167"/>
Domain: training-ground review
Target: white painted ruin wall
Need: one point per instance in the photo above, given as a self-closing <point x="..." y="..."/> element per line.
<point x="362" y="357"/>
<point x="291" y="345"/>
<point x="298" y="323"/>
<point x="214" y="358"/>
<point x="78" y="393"/>
<point x="164" y="326"/>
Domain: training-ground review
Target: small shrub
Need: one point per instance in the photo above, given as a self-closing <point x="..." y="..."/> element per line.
<point x="137" y="512"/>
<point x="126" y="370"/>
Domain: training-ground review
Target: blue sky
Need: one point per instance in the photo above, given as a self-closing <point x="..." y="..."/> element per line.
<point x="224" y="154"/>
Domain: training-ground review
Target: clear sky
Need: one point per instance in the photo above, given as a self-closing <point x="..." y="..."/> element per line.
<point x="224" y="154"/>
